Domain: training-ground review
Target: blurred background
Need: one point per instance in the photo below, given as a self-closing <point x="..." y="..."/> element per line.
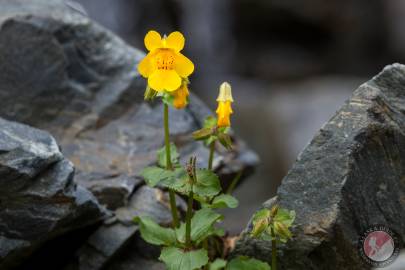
<point x="291" y="63"/>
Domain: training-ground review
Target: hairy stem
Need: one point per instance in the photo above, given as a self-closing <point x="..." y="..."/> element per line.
<point x="273" y="250"/>
<point x="169" y="166"/>
<point x="211" y="156"/>
<point x="188" y="217"/>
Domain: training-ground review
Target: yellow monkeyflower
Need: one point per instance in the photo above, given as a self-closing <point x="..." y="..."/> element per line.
<point x="224" y="109"/>
<point x="164" y="65"/>
<point x="180" y="96"/>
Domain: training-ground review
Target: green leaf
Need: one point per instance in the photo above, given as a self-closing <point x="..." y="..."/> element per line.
<point x="225" y="140"/>
<point x="177" y="259"/>
<point x="202" y="134"/>
<point x="210" y="122"/>
<point x="260" y="222"/>
<point x="153" y="175"/>
<point x="261" y="214"/>
<point x="218" y="264"/>
<point x="161" y="155"/>
<point x="282" y="231"/>
<point x="207" y="183"/>
<point x="224" y="201"/>
<point x="153" y="233"/>
<point x="246" y="263"/>
<point x="202" y="222"/>
<point x="285" y="217"/>
<point x="201" y="226"/>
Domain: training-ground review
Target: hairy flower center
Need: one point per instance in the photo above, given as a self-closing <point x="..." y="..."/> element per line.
<point x="165" y="60"/>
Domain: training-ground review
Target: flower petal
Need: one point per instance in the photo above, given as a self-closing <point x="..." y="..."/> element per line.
<point x="162" y="80"/>
<point x="153" y="40"/>
<point x="180" y="97"/>
<point x="183" y="65"/>
<point x="146" y="66"/>
<point x="175" y="41"/>
<point x="224" y="111"/>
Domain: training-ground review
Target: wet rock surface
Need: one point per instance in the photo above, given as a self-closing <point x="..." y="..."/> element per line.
<point x="348" y="178"/>
<point x="38" y="198"/>
<point x="79" y="82"/>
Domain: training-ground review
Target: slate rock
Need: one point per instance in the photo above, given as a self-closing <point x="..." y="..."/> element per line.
<point x="116" y="236"/>
<point x="38" y="198"/>
<point x="347" y="179"/>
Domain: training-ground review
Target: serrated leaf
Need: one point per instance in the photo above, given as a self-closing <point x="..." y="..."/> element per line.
<point x="246" y="263"/>
<point x="154" y="175"/>
<point x="161" y="155"/>
<point x="208" y="184"/>
<point x="201" y="226"/>
<point x="218" y="264"/>
<point x="155" y="234"/>
<point x="224" y="201"/>
<point x="177" y="259"/>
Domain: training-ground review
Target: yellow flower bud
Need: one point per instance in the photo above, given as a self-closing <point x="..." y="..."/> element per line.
<point x="180" y="96"/>
<point x="224" y="109"/>
<point x="225" y="92"/>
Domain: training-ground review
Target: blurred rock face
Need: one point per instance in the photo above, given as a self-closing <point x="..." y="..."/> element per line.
<point x="268" y="39"/>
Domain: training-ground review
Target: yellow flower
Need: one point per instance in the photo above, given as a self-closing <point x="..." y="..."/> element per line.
<point x="164" y="65"/>
<point x="224" y="109"/>
<point x="180" y="96"/>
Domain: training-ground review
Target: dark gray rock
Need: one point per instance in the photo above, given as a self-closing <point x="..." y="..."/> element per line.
<point x="38" y="198"/>
<point x="112" y="191"/>
<point x="117" y="235"/>
<point x="348" y="178"/>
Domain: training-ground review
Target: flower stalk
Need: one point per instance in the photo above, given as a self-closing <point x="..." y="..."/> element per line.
<point x="273" y="250"/>
<point x="211" y="156"/>
<point x="192" y="178"/>
<point x="169" y="166"/>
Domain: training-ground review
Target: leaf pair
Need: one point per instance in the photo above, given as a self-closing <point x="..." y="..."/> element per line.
<point x="173" y="254"/>
<point x="277" y="219"/>
<point x="206" y="185"/>
<point x="202" y="226"/>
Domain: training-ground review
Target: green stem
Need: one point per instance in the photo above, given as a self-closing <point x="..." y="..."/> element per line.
<point x="234" y="182"/>
<point x="211" y="157"/>
<point x="169" y="166"/>
<point x="188" y="217"/>
<point x="273" y="250"/>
